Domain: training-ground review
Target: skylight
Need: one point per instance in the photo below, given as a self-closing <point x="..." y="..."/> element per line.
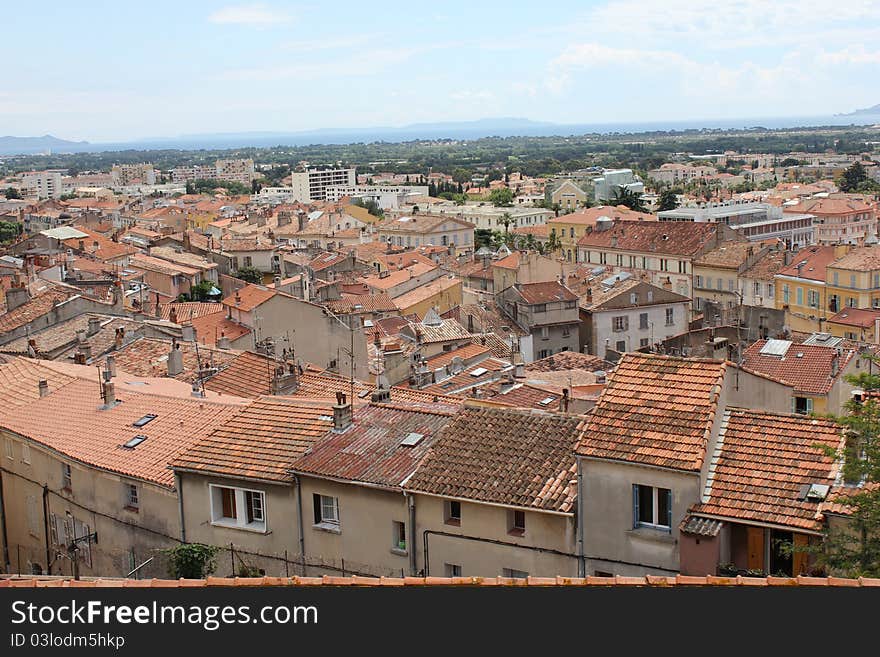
<point x="134" y="442"/>
<point x="546" y="400"/>
<point x="412" y="439"/>
<point x="480" y="371"/>
<point x="146" y="419"/>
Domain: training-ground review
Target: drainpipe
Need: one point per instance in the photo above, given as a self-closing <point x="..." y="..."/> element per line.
<point x="582" y="565"/>
<point x="46" y="527"/>
<point x="180" y="507"/>
<point x="411" y="539"/>
<point x="3" y="536"/>
<point x="299" y="517"/>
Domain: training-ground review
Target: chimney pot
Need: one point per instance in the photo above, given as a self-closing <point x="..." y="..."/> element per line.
<point x="111" y="366"/>
<point x="175" y="360"/>
<point x="341" y="413"/>
<point x="43" y="387"/>
<point x="94" y="325"/>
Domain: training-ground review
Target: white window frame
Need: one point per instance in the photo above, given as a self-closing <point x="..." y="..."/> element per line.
<point x="25" y="453"/>
<point x="670" y="316"/>
<point x="241" y="509"/>
<point x="66" y="476"/>
<point x="326" y="520"/>
<point x="655" y="511"/>
<point x="132" y="501"/>
<point x="10" y="449"/>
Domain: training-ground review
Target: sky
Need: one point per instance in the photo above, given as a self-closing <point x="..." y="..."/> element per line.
<point x="113" y="71"/>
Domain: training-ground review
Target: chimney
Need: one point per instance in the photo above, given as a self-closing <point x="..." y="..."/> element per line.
<point x="16" y="296"/>
<point x="283" y="218"/>
<point x="301" y="220"/>
<point x="563" y="403"/>
<point x="470" y="323"/>
<point x="85" y="349"/>
<point x="175" y="359"/>
<point x="172" y="315"/>
<point x="111" y="366"/>
<point x="80" y="336"/>
<point x="119" y="338"/>
<point x="43" y="387"/>
<point x="835" y="365"/>
<point x="519" y="371"/>
<point x="94" y="326"/>
<point x="188" y="333"/>
<point x="341" y="413"/>
<point x="223" y="342"/>
<point x="109" y="395"/>
<point x="381" y="395"/>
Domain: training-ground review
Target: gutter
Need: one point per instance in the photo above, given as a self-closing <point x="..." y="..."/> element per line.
<point x="299" y="517"/>
<point x="3" y="535"/>
<point x="582" y="564"/>
<point x="46" y="526"/>
<point x="411" y="538"/>
<point x="181" y="516"/>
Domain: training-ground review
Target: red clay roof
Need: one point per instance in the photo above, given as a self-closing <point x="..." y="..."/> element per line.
<point x="655" y="410"/>
<point x="815" y="260"/>
<point x="661" y="238"/>
<point x="70" y="421"/>
<point x="859" y="317"/>
<point x="371" y="450"/>
<point x="763" y="462"/>
<point x="546" y="292"/>
<point x="249" y="297"/>
<point x="261" y="441"/>
<point x="504" y="456"/>
<point x="806" y="367"/>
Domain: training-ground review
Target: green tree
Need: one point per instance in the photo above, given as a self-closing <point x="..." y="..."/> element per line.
<point x="12" y="193"/>
<point x="852" y="178"/>
<point x="627" y="197"/>
<point x="505" y="221"/>
<point x="553" y="242"/>
<point x="371" y="206"/>
<point x="502" y="197"/>
<point x="853" y="548"/>
<point x="249" y="274"/>
<point x="9" y="230"/>
<point x="191" y="560"/>
<point x="668" y="200"/>
<point x="201" y="291"/>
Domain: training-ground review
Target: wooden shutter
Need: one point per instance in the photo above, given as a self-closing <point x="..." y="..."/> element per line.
<point x="317" y="502"/>
<point x="635" y="505"/>
<point x="228" y="497"/>
<point x="799" y="557"/>
<point x="756" y="548"/>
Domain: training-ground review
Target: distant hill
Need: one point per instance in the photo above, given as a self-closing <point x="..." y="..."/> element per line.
<point x="36" y="145"/>
<point x="869" y="111"/>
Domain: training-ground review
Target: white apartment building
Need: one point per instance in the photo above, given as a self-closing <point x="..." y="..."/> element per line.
<point x="42" y="184"/>
<point x="605" y="186"/>
<point x="672" y="173"/>
<point x="133" y="174"/>
<point x="489" y="217"/>
<point x="236" y="170"/>
<point x="312" y="184"/>
<point x="387" y="198"/>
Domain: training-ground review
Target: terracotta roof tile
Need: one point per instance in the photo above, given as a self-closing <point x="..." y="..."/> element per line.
<point x="70" y="421"/>
<point x="249" y="297"/>
<point x="806" y="367"/>
<point x="149" y="357"/>
<point x="261" y="441"/>
<point x="186" y="311"/>
<point x="761" y="465"/>
<point x="503" y="456"/>
<point x="212" y="327"/>
<point x="815" y="260"/>
<point x="36" y="307"/>
<point x="569" y="360"/>
<point x="371" y="450"/>
<point x="664" y="237"/>
<point x="655" y="410"/>
<point x="547" y="292"/>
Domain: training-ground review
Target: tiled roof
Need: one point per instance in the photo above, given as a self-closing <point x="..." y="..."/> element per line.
<point x="864" y="258"/>
<point x="185" y="258"/>
<point x="241" y="245"/>
<point x="246" y="375"/>
<point x="371" y="451"/>
<point x="426" y="291"/>
<point x="660" y="238"/>
<point x="508" y="262"/>
<point x="34" y="308"/>
<point x="325" y="260"/>
<point x="664" y="581"/>
<point x="63" y="335"/>
<point x="363" y="303"/>
<point x="815" y="258"/>
<point x="159" y="265"/>
<point x="569" y="360"/>
<point x="824" y="206"/>
<point x="700" y="526"/>
<point x="860" y="317"/>
<point x="210" y="328"/>
<point x="589" y="216"/>
<point x="249" y="297"/>
<point x="807" y="367"/>
<point x="522" y="395"/>
<point x="485" y="371"/>
<point x="70" y="421"/>
<point x="20" y="378"/>
<point x="504" y="456"/>
<point x="399" y="276"/>
<point x="185" y="311"/>
<point x="149" y="357"/>
<point x="655" y="410"/>
<point x="766" y="267"/>
<point x="99" y="246"/>
<point x="762" y="465"/>
<point x="469" y="353"/>
<point x="728" y="255"/>
<point x="499" y="348"/>
<point x="547" y="292"/>
<point x="448" y="330"/>
<point x="261" y="441"/>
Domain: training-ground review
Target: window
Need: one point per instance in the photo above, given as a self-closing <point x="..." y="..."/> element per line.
<point x="621" y="346"/>
<point x="670" y="316"/>
<point x="543" y="353"/>
<point x="786" y="294"/>
<point x="545" y="333"/>
<point x="730" y="285"/>
<point x="25" y="453"/>
<point x="633" y="298"/>
<point x="643" y="342"/>
<point x="852" y="280"/>
<point x="664" y="264"/>
<point x="66" y="479"/>
<point x="620" y="323"/>
<point x="570" y="305"/>
<point x="10" y="454"/>
<point x="643" y="320"/>
<point x="513" y="573"/>
<point x="326" y="510"/>
<point x="452" y="510"/>
<point x="652" y="507"/>
<point x="698" y="281"/>
<point x="802" y="405"/>
<point x="248" y="262"/>
<point x="516" y="522"/>
<point x="239" y="508"/>
<point x="771" y="291"/>
<point x="132" y="496"/>
<point x="757" y="291"/>
<point x="452" y="570"/>
<point x="566" y="331"/>
<point x="540" y="308"/>
<point x="800" y="296"/>
<point x="812" y="298"/>
<point x="719" y="284"/>
<point x="398" y="535"/>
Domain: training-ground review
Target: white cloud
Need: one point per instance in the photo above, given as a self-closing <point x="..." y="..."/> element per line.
<point x="254" y="14"/>
<point x="856" y="55"/>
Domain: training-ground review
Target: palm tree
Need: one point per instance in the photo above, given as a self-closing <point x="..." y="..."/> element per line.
<point x="627" y="197"/>
<point x="505" y="221"/>
<point x="553" y="242"/>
